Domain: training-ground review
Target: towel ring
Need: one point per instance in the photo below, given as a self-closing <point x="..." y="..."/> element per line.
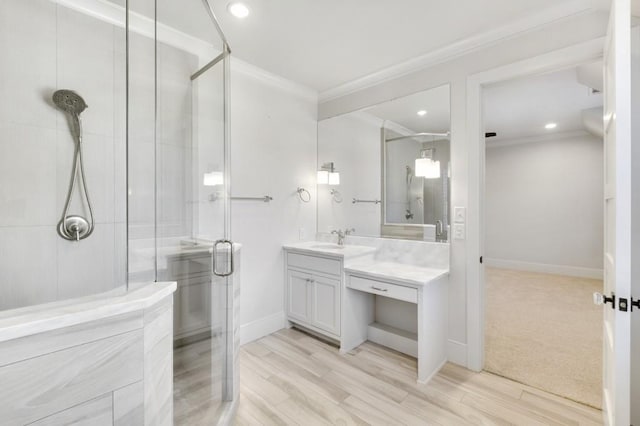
<point x="303" y="198"/>
<point x="337" y="196"/>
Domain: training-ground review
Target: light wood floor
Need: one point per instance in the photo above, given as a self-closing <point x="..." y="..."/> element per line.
<point x="292" y="378"/>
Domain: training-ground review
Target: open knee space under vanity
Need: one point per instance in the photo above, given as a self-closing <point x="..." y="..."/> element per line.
<point x="369" y="291"/>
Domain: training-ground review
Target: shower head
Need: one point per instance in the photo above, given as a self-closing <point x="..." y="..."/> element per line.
<point x="69" y="101"/>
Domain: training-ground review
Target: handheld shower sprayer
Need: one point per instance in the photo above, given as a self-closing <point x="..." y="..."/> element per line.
<point x="75" y="227"/>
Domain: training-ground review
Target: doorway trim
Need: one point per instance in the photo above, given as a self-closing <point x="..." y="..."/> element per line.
<point x="563" y="58"/>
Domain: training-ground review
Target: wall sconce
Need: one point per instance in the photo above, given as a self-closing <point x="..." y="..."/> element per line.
<point x="328" y="175"/>
<point x="213" y="179"/>
<point x="425" y="166"/>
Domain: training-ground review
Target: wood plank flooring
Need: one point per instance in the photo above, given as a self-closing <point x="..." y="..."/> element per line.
<point x="291" y="378"/>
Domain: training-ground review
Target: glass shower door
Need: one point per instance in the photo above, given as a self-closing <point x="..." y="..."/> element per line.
<point x="192" y="205"/>
<point x="205" y="260"/>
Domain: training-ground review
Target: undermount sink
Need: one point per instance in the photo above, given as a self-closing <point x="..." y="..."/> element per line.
<point x="327" y="246"/>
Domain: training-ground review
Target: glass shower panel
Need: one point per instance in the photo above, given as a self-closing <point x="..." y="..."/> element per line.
<point x="142" y="146"/>
<point x="62" y="210"/>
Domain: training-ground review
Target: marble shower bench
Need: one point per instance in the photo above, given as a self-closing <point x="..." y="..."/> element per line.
<point x="104" y="359"/>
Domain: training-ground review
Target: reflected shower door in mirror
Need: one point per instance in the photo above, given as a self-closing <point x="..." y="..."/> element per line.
<point x="394" y="165"/>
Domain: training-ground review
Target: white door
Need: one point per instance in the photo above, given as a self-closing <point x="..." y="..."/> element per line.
<point x="617" y="215"/>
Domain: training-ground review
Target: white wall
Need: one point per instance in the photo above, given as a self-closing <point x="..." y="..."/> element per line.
<point x="543" y="205"/>
<point x="563" y="33"/>
<point x="273" y="151"/>
<point x="352" y="142"/>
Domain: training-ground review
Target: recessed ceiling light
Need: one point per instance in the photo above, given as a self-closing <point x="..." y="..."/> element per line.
<point x="550" y="126"/>
<point x="422" y="113"/>
<point x="239" y="10"/>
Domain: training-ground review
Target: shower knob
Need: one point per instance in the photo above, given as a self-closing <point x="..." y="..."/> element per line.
<point x="73" y="228"/>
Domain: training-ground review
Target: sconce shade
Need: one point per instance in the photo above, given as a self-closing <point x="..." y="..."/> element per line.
<point x="323" y="177"/>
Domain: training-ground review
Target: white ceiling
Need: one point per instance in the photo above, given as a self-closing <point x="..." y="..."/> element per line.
<point x="520" y="108"/>
<point x="325" y="43"/>
<point x="404" y="111"/>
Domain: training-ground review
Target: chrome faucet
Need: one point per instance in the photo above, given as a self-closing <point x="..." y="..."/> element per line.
<point x="342" y="234"/>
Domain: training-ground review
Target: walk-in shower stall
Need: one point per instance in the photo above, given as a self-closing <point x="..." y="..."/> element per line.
<point x="114" y="153"/>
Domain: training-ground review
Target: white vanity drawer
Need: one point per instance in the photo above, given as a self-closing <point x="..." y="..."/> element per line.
<point x="314" y="263"/>
<point x="380" y="288"/>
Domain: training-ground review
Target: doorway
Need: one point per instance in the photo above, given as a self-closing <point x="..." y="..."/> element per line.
<point x="543" y="243"/>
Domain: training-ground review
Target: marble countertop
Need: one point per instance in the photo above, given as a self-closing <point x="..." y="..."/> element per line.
<point x="142" y="257"/>
<point x="330" y="249"/>
<point x="411" y="275"/>
<point x="30" y="320"/>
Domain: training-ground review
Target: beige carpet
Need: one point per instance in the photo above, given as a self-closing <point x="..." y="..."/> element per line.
<point x="544" y="331"/>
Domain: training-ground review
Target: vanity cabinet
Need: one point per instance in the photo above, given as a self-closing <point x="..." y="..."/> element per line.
<point x="313" y="297"/>
<point x="192" y="272"/>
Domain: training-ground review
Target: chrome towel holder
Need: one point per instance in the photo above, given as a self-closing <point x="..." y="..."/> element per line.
<point x="301" y="191"/>
<point x="355" y="201"/>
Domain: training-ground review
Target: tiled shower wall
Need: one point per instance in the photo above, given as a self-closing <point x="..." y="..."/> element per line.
<point x="46" y="47"/>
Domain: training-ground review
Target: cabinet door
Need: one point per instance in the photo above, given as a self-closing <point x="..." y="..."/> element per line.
<point x="298" y="295"/>
<point x="326" y="304"/>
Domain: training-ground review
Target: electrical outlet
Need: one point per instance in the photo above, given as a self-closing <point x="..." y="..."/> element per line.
<point x="302" y="234"/>
<point x="458" y="231"/>
<point x="459" y="214"/>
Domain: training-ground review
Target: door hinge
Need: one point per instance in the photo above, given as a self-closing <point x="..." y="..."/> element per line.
<point x="601" y="299"/>
<point x="623" y="304"/>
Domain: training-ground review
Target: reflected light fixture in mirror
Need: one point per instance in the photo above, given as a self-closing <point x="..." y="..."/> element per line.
<point x="425" y="166"/>
<point x="213" y="179"/>
<point x="328" y="175"/>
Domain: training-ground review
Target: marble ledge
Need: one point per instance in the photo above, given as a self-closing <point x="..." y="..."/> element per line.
<point x="400" y="273"/>
<point x="31" y="320"/>
<point x="330" y="249"/>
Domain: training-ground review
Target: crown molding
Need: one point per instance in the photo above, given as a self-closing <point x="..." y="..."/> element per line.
<point x="366" y="117"/>
<point x="274" y="80"/>
<point x="114" y="14"/>
<point x="570" y="134"/>
<point x="460" y="48"/>
<point x="140" y="24"/>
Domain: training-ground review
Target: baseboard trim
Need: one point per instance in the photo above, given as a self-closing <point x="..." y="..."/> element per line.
<point x="261" y="327"/>
<point x="435" y="372"/>
<point x="572" y="271"/>
<point x="457" y="352"/>
<point x="391" y="337"/>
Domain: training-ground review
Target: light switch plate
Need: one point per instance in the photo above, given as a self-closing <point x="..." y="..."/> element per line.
<point x="459" y="214"/>
<point x="458" y="231"/>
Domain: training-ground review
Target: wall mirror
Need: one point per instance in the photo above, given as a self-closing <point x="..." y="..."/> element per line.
<point x="390" y="168"/>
